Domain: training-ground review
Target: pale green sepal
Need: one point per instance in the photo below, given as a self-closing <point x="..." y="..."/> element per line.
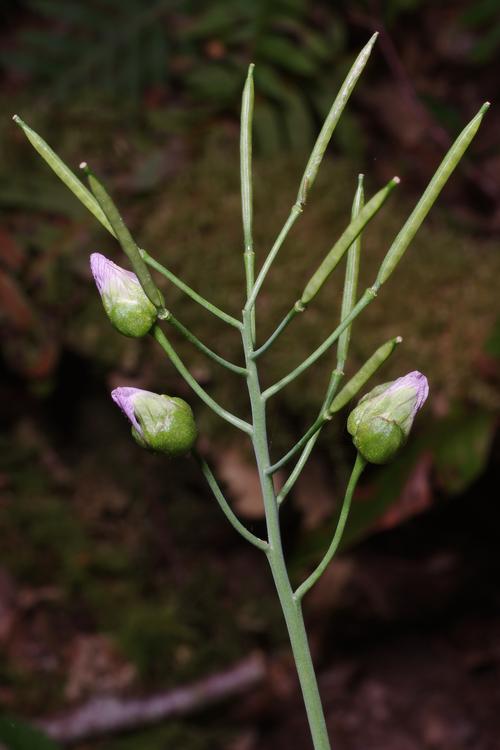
<point x="167" y="424"/>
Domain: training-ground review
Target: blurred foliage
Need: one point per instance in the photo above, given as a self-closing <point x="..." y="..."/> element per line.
<point x="196" y="53"/>
<point x="17" y="735"/>
<point x="482" y="19"/>
<point x="189" y="54"/>
<point x="187" y="735"/>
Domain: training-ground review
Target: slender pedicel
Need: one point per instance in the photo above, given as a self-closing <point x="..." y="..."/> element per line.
<point x="184" y="372"/>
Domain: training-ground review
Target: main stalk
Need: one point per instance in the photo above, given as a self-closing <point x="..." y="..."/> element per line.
<point x="290" y="605"/>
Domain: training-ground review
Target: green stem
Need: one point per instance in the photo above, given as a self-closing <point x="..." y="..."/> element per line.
<point x="292" y="218"/>
<point x="202" y="347"/>
<point x="290" y="605"/>
<point x="348" y="301"/>
<point x="333" y="385"/>
<point x="367" y="297"/>
<point x="296" y="309"/>
<point x="313" y="429"/>
<point x="359" y="465"/>
<point x="182" y="370"/>
<point x="225" y="507"/>
<point x="190" y="292"/>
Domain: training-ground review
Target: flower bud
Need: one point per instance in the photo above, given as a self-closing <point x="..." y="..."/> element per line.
<point x="381" y="422"/>
<point x="160" y="423"/>
<point x="124" y="300"/>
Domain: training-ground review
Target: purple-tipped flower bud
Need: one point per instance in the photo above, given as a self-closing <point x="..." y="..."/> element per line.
<point x="124" y="300"/>
<point x="161" y="423"/>
<point x="381" y="422"/>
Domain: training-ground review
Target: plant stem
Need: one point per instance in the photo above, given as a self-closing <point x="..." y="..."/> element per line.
<point x="313" y="429"/>
<point x="333" y="385"/>
<point x="363" y="301"/>
<point x="359" y="465"/>
<point x="290" y="605"/>
<point x="225" y="507"/>
<point x="277" y="332"/>
<point x="295" y="212"/>
<point x="348" y="301"/>
<point x="182" y="370"/>
<point x="190" y="292"/>
<point x="202" y="347"/>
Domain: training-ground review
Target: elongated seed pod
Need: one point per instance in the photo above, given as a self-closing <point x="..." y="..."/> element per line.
<point x="331" y="121"/>
<point x="432" y="191"/>
<point x="246" y="158"/>
<point x="64" y="173"/>
<point x="354" y="385"/>
<point x="351" y="278"/>
<point x="345" y="240"/>
<point x="124" y="237"/>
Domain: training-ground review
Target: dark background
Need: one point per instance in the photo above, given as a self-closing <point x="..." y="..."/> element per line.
<point x="118" y="573"/>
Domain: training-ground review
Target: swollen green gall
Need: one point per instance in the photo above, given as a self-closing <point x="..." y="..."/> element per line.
<point x="160" y="423"/>
<point x="126" y="304"/>
<point x="381" y="422"/>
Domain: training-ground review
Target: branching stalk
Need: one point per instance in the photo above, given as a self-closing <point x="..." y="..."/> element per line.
<point x="191" y="292"/>
<point x="365" y="300"/>
<point x="335" y="379"/>
<point x="398" y="247"/>
<point x="226" y="508"/>
<point x="358" y="222"/>
<point x="354" y="385"/>
<point x="290" y="605"/>
<point x="170" y="318"/>
<point x="182" y="370"/>
<point x="296" y="309"/>
<point x="337" y="537"/>
<point x="348" y="301"/>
